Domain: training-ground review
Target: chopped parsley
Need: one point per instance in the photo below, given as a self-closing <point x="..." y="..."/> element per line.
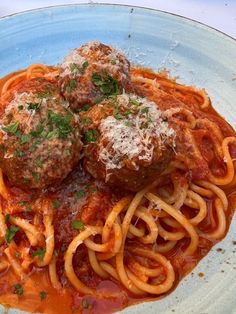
<point x="86" y="121"/>
<point x="56" y="204"/>
<point x="17" y="254"/>
<point x="107" y="85"/>
<point x="26" y="180"/>
<point x="92" y="189"/>
<point x="74" y="67"/>
<point x="45" y="94"/>
<point x="38" y="130"/>
<point x="11" y="128"/>
<point x="10" y="234"/>
<point x="33" y="106"/>
<point x="126" y="113"/>
<point x="62" y="123"/>
<point x="39" y="253"/>
<point x="52" y="134"/>
<point x="20" y="107"/>
<point x="90" y="136"/>
<point x="18" y="289"/>
<point x="43" y="295"/>
<point x="25" y="204"/>
<point x="34" y="146"/>
<point x="145" y="110"/>
<point x="85" y="304"/>
<point x="113" y="62"/>
<point x="7" y="217"/>
<point x="72" y="84"/>
<point x="39" y="163"/>
<point x="118" y="116"/>
<point x="19" y="153"/>
<point x="36" y="176"/>
<point x="129" y="123"/>
<point x="79" y="194"/>
<point x="77" y="225"/>
<point x="85" y="107"/>
<point x="134" y="102"/>
<point x="2" y="147"/>
<point x="85" y="65"/>
<point x="25" y="138"/>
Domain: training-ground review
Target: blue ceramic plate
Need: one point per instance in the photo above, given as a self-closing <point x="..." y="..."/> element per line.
<point x="197" y="54"/>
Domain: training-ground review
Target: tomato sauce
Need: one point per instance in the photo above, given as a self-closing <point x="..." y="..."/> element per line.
<point x="68" y="300"/>
<point x="72" y="197"/>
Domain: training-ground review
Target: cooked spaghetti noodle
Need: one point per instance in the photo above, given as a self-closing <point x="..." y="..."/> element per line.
<point x="103" y="249"/>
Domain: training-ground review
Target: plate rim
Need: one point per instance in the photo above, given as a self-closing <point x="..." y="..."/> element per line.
<point x="103" y="4"/>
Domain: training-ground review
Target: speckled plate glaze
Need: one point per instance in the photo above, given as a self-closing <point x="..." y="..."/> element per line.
<point x="197" y="54"/>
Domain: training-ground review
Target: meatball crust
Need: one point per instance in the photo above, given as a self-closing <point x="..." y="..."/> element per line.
<point x="92" y="72"/>
<point x="39" y="136"/>
<point x="128" y="141"/>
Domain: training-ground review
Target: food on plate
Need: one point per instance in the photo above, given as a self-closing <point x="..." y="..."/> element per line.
<point x="128" y="141"/>
<point x="111" y="191"/>
<point x="39" y="135"/>
<point x="91" y="72"/>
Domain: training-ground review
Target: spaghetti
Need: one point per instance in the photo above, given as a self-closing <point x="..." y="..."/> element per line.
<point x="102" y="249"/>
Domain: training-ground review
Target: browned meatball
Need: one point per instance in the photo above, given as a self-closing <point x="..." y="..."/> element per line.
<point x="92" y="72"/>
<point x="39" y="136"/>
<point x="128" y="142"/>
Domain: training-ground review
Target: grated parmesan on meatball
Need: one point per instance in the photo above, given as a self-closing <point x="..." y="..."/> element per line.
<point x="129" y="142"/>
<point x="93" y="72"/>
<point x="39" y="136"/>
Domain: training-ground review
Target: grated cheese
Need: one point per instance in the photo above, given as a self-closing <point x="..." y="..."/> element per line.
<point x="90" y="52"/>
<point x="25" y="115"/>
<point x="133" y="136"/>
<point x="72" y="58"/>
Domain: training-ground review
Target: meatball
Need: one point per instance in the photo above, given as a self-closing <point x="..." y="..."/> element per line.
<point x="93" y="72"/>
<point x="129" y="143"/>
<point x="39" y="136"/>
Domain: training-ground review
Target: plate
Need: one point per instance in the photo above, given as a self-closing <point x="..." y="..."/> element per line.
<point x="196" y="54"/>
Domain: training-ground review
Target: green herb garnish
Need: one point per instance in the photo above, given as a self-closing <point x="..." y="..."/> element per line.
<point x="10" y="234"/>
<point x="77" y="225"/>
<point x="74" y="67"/>
<point x="145" y="110"/>
<point x="11" y="128"/>
<point x="39" y="163"/>
<point x="7" y="217"/>
<point x="62" y="123"/>
<point x="43" y="295"/>
<point x="129" y="123"/>
<point x="72" y="84"/>
<point x="92" y="189"/>
<point x="118" y="116"/>
<point x="23" y="203"/>
<point x="79" y="194"/>
<point x="107" y="85"/>
<point x="19" y="153"/>
<point x="17" y="254"/>
<point x="39" y="253"/>
<point x="36" y="176"/>
<point x="85" y="65"/>
<point x="33" y="106"/>
<point x="86" y="121"/>
<point x="91" y="136"/>
<point x="56" y="204"/>
<point x="25" y="138"/>
<point x="85" y="304"/>
<point x="18" y="289"/>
